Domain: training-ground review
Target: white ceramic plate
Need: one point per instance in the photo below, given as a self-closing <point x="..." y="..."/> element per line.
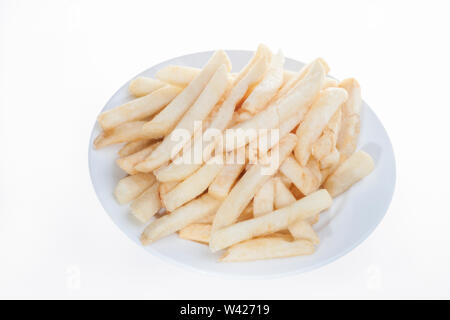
<point x="351" y="219"/>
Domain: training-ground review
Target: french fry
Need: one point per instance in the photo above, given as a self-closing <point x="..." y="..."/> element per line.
<point x="286" y="181"/>
<point x="359" y="165"/>
<point x="220" y="119"/>
<point x="288" y="75"/>
<point x="128" y="163"/>
<point x="258" y="198"/>
<point x="147" y="204"/>
<point x="264" y="199"/>
<point x="183" y="164"/>
<point x="267" y="248"/>
<point x="283" y="197"/>
<point x="130" y="131"/>
<point x="244" y="190"/>
<point x="295" y="104"/>
<point x="286" y="127"/>
<point x="207" y="219"/>
<point x="262" y="53"/>
<point x="131" y="187"/>
<point x="302" y="177"/>
<point x="165" y="187"/>
<point x="198" y="112"/>
<point x="179" y="76"/>
<point x="247" y="213"/>
<point x="134" y="146"/>
<point x="180" y="218"/>
<point x="315" y="121"/>
<point x="224" y="181"/>
<point x="326" y="144"/>
<point x="302" y="230"/>
<point x="192" y="186"/>
<point x="295" y="79"/>
<point x="240" y="116"/>
<point x="268" y="86"/>
<point x="142" y="86"/>
<point x="331" y="160"/>
<point x="272" y="222"/>
<point x="224" y="115"/>
<point x="196" y="232"/>
<point x="348" y="135"/>
<point x="329" y="82"/>
<point x="139" y="108"/>
<point x="167" y="119"/>
<point x="295" y="192"/>
<point x="314" y="219"/>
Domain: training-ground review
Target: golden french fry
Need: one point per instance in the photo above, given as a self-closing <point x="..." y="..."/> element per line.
<point x="147" y="204"/>
<point x="264" y="199"/>
<point x="131" y="187"/>
<point x="359" y="165"/>
<point x="180" y="218"/>
<point x="244" y="190"/>
<point x="302" y="230"/>
<point x="139" y="108"/>
<point x="302" y="177"/>
<point x="270" y="247"/>
<point x="224" y="181"/>
<point x="192" y="186"/>
<point x="196" y="232"/>
<point x="315" y="121"/>
<point x="142" y="86"/>
<point x="167" y="119"/>
<point x="128" y="163"/>
<point x="130" y="131"/>
<point x="179" y="76"/>
<point x="267" y="88"/>
<point x="348" y="135"/>
<point x="134" y="146"/>
<point x="272" y="222"/>
<point x="283" y="197"/>
<point x="198" y="112"/>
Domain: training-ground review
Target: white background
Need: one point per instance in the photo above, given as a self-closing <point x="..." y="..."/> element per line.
<point x="62" y="60"/>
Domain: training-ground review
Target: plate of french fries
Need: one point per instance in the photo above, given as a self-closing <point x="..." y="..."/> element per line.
<point x="242" y="163"/>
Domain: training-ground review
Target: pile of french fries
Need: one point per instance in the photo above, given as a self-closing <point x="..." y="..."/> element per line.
<point x="240" y="207"/>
